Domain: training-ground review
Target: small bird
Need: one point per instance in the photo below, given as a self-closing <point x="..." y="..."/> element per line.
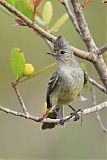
<point x="65" y="84"/>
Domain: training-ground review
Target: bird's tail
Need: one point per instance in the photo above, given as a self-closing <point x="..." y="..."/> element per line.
<point x="57" y="113"/>
<point x="52" y="115"/>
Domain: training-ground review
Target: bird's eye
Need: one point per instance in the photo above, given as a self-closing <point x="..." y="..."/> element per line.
<point x="62" y="52"/>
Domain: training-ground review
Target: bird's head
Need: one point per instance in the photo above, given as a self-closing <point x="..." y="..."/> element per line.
<point x="62" y="50"/>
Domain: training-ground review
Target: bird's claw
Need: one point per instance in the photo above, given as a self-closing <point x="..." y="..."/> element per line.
<point x="62" y="121"/>
<point x="75" y="113"/>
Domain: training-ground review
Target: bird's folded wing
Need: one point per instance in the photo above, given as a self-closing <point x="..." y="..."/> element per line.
<point x="51" y="85"/>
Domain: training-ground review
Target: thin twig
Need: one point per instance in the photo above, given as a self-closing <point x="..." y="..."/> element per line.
<point x="14" y="85"/>
<point x="19" y="114"/>
<point x="71" y="16"/>
<point x="66" y="118"/>
<point x="100" y="122"/>
<point x="97" y="113"/>
<point x="99" y="86"/>
<point x="102" y="49"/>
<point x="86" y="35"/>
<point x="48" y="43"/>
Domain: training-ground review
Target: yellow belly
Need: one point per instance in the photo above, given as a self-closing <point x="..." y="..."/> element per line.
<point x="66" y="92"/>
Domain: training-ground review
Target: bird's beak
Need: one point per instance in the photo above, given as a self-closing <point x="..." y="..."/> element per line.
<point x="50" y="53"/>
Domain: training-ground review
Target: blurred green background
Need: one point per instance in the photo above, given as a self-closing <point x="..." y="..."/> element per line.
<point x="23" y="139"/>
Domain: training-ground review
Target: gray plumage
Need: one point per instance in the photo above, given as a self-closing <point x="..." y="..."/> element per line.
<point x="66" y="83"/>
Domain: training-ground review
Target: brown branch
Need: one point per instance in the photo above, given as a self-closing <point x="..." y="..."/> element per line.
<point x="29" y="23"/>
<point x="98" y="61"/>
<point x="87" y="38"/>
<point x="102" y="49"/>
<point x="91" y="46"/>
<point x="82" y="54"/>
<point x="86" y="35"/>
<point x="66" y="118"/>
<point x="101" y="69"/>
<point x="19" y="114"/>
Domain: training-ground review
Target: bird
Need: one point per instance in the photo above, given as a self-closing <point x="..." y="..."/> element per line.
<point x="65" y="84"/>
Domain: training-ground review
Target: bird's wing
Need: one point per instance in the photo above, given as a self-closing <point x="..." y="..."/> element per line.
<point x="51" y="85"/>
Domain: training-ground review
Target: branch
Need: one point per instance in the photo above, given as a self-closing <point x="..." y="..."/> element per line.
<point x="66" y="118"/>
<point x="93" y="82"/>
<point x="71" y="16"/>
<point x="14" y="85"/>
<point x="100" y="122"/>
<point x="82" y="54"/>
<point x="97" y="113"/>
<point x="19" y="114"/>
<point x="48" y="43"/>
<point x="102" y="49"/>
<point x="101" y="69"/>
<point x="29" y="23"/>
<point x="97" y="59"/>
<point x="86" y="35"/>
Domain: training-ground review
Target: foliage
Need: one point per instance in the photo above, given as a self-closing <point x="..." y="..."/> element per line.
<point x="21" y="70"/>
<point x="17" y="62"/>
<point x="30" y="8"/>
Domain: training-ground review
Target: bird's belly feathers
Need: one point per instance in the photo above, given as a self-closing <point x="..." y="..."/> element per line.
<point x="68" y="89"/>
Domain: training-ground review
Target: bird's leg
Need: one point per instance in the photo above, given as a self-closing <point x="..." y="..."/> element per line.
<point x="45" y="114"/>
<point x="75" y="113"/>
<point x="52" y="109"/>
<point x="72" y="107"/>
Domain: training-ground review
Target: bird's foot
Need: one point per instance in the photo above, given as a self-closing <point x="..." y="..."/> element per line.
<point x="62" y="122"/>
<point x="75" y="113"/>
<point x="76" y="116"/>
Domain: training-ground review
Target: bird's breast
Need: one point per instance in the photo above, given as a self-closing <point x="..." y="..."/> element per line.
<point x="69" y="85"/>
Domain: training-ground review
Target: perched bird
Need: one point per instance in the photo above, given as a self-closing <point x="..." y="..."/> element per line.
<point x="65" y="84"/>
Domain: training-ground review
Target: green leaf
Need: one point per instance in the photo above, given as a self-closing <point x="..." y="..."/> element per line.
<point x="47" y="12"/>
<point x="19" y="5"/>
<point x="59" y="23"/>
<point x="22" y="7"/>
<point x="17" y="62"/>
<point x="83" y="67"/>
<point x="12" y="2"/>
<point x="29" y="4"/>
